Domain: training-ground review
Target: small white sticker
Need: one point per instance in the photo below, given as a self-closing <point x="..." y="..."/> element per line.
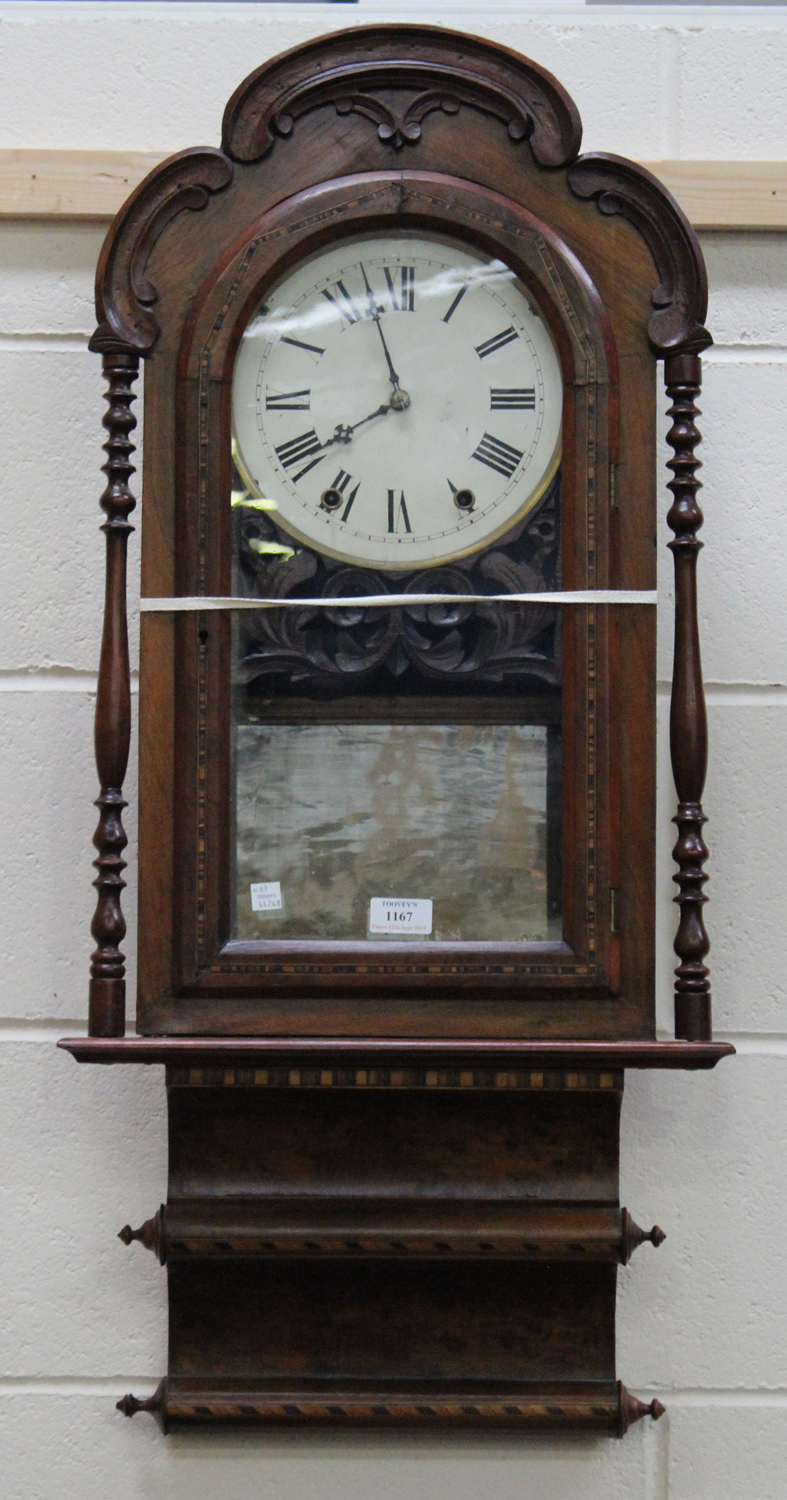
<point x="396" y="916"/>
<point x="266" y="896"/>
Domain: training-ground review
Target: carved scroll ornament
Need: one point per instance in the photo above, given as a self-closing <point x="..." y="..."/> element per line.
<point x="681" y="297"/>
<point x="443" y="69"/>
<point x="124" y="292"/>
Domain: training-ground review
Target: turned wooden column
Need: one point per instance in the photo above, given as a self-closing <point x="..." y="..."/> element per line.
<point x="107" y="1011"/>
<point x="688" y="719"/>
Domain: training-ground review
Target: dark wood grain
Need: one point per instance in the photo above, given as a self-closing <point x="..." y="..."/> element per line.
<point x="379" y="1305"/>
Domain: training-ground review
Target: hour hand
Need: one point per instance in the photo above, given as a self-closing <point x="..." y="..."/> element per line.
<point x="380" y="412"/>
<point x="343" y="433"/>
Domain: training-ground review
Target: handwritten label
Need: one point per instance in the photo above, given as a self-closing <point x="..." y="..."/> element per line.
<point x="266" y="896"/>
<point x="395" y="916"/>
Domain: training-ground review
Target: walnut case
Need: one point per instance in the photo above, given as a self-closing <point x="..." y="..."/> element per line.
<point x="358" y="1128"/>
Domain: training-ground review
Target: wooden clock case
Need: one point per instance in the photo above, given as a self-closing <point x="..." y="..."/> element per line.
<point x="393" y="1186"/>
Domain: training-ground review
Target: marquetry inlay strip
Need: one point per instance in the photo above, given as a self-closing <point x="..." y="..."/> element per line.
<point x="606" y="1406"/>
<point x="394" y="1078"/>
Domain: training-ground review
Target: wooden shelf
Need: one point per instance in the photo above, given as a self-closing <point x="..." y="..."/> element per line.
<point x="386" y="1052"/>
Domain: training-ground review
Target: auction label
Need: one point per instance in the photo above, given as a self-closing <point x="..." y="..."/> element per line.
<point x="266" y="895"/>
<point x="396" y="916"/>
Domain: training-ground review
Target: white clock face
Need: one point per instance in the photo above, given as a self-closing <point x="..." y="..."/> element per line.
<point x="397" y="400"/>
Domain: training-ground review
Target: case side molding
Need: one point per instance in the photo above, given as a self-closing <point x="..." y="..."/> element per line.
<point x="677" y="326"/>
<point x="446" y="68"/>
<point x="124" y="293"/>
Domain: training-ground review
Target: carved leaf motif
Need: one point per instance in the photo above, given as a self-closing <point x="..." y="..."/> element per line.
<point x="474" y="642"/>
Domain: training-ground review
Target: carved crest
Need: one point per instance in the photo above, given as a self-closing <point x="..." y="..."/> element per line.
<point x="442" y="70"/>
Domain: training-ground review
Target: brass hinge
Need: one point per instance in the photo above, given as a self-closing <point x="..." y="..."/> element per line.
<point x="613" y="496"/>
<point x="613" y="925"/>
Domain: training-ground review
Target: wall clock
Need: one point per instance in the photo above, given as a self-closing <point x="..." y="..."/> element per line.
<point x="397" y="731"/>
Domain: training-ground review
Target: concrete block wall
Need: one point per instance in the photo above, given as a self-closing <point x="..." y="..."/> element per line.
<point x="703" y="1323"/>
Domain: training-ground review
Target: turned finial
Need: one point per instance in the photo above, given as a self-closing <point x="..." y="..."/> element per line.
<point x="151" y="1234"/>
<point x="155" y="1404"/>
<point x="631" y="1409"/>
<point x="632" y="1236"/>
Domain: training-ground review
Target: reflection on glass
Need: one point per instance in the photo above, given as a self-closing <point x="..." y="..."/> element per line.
<point x="339" y="813"/>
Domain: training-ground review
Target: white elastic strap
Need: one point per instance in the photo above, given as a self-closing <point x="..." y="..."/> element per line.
<point x="389" y="601"/>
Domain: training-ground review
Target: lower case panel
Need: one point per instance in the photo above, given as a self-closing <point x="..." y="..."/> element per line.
<point x="365" y="1319"/>
<point x="393" y="1256"/>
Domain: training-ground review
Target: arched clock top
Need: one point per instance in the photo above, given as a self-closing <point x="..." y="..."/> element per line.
<point x="439" y="69"/>
<point x="394" y="78"/>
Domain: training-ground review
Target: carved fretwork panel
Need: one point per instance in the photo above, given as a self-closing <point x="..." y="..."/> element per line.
<point x="426" y="647"/>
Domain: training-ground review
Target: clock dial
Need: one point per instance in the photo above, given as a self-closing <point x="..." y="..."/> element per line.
<point x="397" y="400"/>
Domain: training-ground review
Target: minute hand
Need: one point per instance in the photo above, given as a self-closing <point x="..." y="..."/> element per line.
<point x="400" y="399"/>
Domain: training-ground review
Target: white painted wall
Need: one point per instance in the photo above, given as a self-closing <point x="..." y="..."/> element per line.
<point x="703" y="1323"/>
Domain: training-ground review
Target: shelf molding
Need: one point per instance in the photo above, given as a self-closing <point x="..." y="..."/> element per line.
<point x="46" y="184"/>
<point x="328" y="1054"/>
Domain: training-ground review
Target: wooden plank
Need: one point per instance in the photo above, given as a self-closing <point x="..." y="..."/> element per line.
<point x="70" y="184"/>
<point x="742" y="195"/>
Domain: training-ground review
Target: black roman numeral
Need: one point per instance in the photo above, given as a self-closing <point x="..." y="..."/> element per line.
<point x="509" y="398"/>
<point x="490" y="346"/>
<point x="299" y="344"/>
<point x="497" y="455"/>
<point x="288" y="401"/>
<point x="340" y="483"/>
<point x="405" y="302"/>
<point x="455" y="304"/>
<point x="340" y="298"/>
<point x="397" y="513"/>
<point x="298" y="448"/>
